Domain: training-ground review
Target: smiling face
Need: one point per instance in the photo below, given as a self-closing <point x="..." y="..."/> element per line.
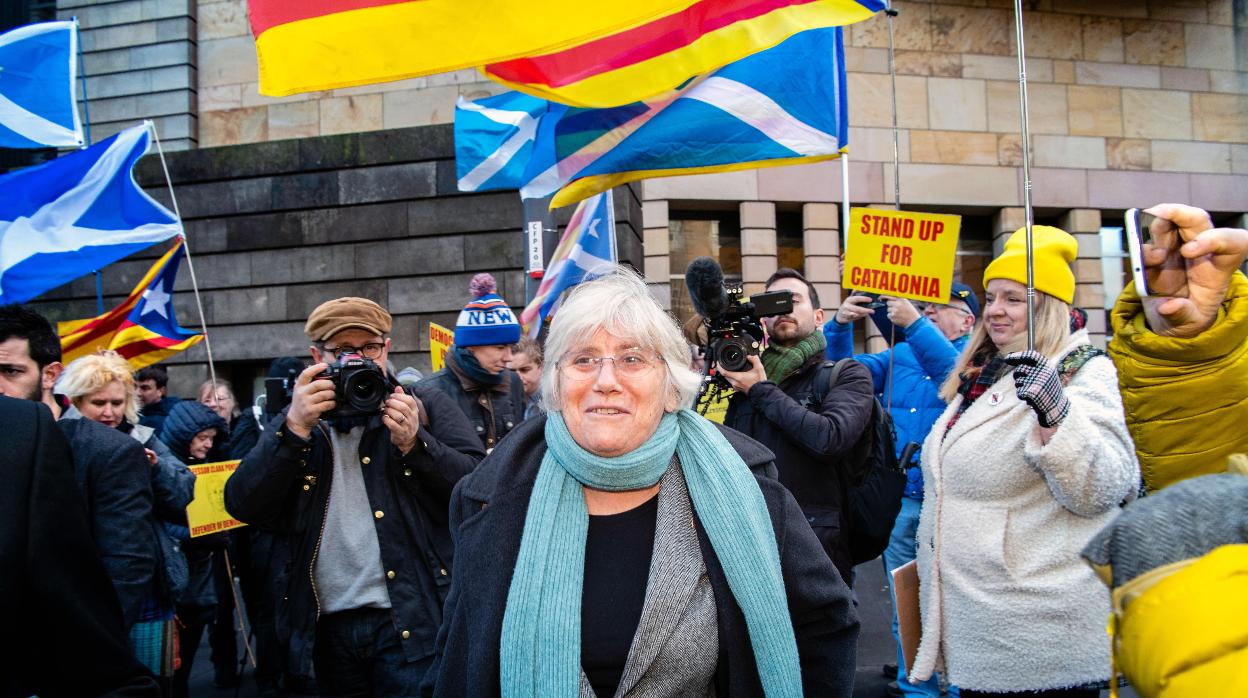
<point x="106" y="405"/>
<point x="1005" y="312"/>
<point x="791" y="328"/>
<point x="609" y="414"/>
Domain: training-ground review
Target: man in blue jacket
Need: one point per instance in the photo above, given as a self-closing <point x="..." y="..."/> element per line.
<point x="933" y="338"/>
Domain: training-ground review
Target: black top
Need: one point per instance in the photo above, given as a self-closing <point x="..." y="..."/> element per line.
<point x="618" y="548"/>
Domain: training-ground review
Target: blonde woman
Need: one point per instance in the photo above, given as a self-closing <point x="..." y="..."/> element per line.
<point x="1030" y="459"/>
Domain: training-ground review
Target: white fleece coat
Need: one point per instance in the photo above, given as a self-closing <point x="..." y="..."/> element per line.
<point x="1006" y="602"/>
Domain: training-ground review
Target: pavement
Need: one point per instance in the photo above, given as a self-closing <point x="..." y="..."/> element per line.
<point x="875" y="645"/>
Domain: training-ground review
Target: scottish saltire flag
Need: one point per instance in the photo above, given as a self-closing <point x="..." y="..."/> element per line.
<point x="143" y="328"/>
<point x="783" y="106"/>
<point x="587" y="249"/>
<point x="38" y="72"/>
<point x="494" y="140"/>
<point x="662" y="54"/>
<point x="78" y="213"/>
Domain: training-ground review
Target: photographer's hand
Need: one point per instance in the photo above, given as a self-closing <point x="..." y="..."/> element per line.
<point x="401" y="415"/>
<point x="852" y="309"/>
<point x="901" y="311"/>
<point x="744" y="380"/>
<point x="310" y="399"/>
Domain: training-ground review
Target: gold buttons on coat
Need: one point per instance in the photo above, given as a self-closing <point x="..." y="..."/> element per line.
<point x="390" y="574"/>
<point x="405" y="634"/>
<point x="407" y="472"/>
<point x="378" y="514"/>
<point x="366" y="460"/>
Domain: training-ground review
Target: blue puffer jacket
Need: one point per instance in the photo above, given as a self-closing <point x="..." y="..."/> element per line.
<point x="185" y="420"/>
<point x="920" y="365"/>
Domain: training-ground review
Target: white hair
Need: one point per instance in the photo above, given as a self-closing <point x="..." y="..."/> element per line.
<point x="619" y="303"/>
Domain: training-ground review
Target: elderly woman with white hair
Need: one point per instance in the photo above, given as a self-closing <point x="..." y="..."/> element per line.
<point x="622" y="545"/>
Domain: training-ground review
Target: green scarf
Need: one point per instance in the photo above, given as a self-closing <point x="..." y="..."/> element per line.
<point x="780" y="361"/>
<point x="540" y="649"/>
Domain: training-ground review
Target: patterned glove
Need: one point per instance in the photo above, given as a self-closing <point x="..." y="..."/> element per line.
<point x="1040" y="386"/>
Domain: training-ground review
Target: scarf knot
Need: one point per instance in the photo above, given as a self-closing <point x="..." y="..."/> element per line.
<point x="780" y="361"/>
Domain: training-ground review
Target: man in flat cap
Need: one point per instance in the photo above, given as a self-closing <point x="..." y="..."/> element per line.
<point x="360" y="505"/>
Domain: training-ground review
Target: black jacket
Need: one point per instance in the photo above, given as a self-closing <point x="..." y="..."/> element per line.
<point x="185" y="420"/>
<point x="62" y="623"/>
<point x="283" y="486"/>
<point x="810" y="441"/>
<point x="114" y="477"/>
<point x="493" y="410"/>
<point x="488" y="512"/>
<point x="154" y="415"/>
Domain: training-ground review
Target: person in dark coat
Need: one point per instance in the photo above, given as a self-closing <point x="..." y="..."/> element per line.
<point x="195" y="433"/>
<point x="244" y="431"/>
<point x="778" y="403"/>
<point x="358" y="504"/>
<point x="153" y="385"/>
<point x="621" y="544"/>
<point x="476" y="374"/>
<point x="54" y="589"/>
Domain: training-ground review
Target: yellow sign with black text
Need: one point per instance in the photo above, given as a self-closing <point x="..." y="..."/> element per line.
<point x="899" y="253"/>
<point x="206" y="513"/>
<point x="440" y="341"/>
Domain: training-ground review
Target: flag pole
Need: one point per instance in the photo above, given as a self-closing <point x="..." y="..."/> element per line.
<point x="1025" y="136"/>
<point x="844" y="204"/>
<point x="199" y="303"/>
<point x="86" y="138"/>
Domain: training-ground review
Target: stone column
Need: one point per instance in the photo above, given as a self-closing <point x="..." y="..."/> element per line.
<point x="1085" y="225"/>
<point x="758" y="244"/>
<point x="821" y="244"/>
<point x="1004" y="223"/>
<point x="139" y="58"/>
<point x="656" y="246"/>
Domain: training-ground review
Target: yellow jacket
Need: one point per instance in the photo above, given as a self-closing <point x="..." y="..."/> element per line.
<point x="1179" y="630"/>
<point x="1186" y="400"/>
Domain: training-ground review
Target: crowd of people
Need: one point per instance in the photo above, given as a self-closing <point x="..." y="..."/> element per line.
<point x="552" y="518"/>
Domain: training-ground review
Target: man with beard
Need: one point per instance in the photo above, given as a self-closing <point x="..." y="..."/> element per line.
<point x="811" y="428"/>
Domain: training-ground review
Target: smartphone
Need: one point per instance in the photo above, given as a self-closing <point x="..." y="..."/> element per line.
<point x="1138" y="225"/>
<point x="875" y="303"/>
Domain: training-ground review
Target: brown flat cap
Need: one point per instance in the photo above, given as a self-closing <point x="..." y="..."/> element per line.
<point x="332" y="317"/>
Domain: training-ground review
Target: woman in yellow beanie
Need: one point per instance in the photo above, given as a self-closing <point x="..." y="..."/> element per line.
<point x="1030" y="459"/>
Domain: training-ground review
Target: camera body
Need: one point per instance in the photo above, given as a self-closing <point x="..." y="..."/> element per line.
<point x="360" y="387"/>
<point x="737" y="333"/>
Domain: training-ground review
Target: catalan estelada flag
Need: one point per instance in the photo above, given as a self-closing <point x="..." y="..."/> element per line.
<point x="143" y="328"/>
<point x="661" y="55"/>
<point x="308" y="45"/>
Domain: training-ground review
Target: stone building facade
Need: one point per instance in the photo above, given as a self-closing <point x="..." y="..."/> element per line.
<point x="1131" y="103"/>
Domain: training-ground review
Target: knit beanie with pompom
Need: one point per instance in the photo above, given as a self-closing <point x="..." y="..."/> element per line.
<point x="486" y="319"/>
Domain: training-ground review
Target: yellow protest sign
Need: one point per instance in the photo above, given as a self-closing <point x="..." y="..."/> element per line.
<point x="717" y="410"/>
<point x="899" y="253"/>
<point x="206" y="513"/>
<point x="440" y="341"/>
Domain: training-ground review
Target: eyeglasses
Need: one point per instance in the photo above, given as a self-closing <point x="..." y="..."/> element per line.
<point x="924" y="307"/>
<point x="370" y="351"/>
<point x="630" y="364"/>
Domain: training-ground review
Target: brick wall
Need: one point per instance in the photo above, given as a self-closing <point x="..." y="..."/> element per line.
<point x="277" y="228"/>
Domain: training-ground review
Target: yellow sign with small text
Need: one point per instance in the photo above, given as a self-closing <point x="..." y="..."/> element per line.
<point x="206" y="513"/>
<point x="899" y="253"/>
<point x="440" y="341"/>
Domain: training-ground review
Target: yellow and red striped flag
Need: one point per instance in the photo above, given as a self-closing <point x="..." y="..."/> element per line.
<point x="659" y="56"/>
<point x="308" y="45"/>
<point x="143" y="328"/>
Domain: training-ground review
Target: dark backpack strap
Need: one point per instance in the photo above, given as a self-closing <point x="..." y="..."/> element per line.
<point x="833" y="371"/>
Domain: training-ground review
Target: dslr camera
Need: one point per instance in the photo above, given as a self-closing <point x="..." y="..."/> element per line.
<point x="360" y="387"/>
<point x="734" y="323"/>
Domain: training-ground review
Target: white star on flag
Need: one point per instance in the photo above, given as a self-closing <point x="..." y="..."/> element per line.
<point x="157" y="301"/>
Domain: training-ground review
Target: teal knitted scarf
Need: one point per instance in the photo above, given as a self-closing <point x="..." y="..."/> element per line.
<point x="541" y="639"/>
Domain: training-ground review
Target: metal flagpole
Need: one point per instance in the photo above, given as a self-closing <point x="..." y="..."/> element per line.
<point x="86" y="143"/>
<point x="892" y="76"/>
<point x="1025" y="135"/>
<point x="199" y="303"/>
<point x="844" y="204"/>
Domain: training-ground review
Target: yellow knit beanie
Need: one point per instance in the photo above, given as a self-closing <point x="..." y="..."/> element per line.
<point x="1053" y="249"/>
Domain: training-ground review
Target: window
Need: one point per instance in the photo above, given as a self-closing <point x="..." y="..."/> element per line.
<point x="702" y="234"/>
<point x="1115" y="263"/>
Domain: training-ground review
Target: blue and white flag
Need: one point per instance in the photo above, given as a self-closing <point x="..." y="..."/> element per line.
<point x="586" y="250"/>
<point x="782" y="106"/>
<point x="38" y="70"/>
<point x="494" y="140"/>
<point x="80" y="212"/>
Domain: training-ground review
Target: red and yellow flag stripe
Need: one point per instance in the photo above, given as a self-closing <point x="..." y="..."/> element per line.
<point x="308" y="45"/>
<point x="143" y="347"/>
<point x="659" y="56"/>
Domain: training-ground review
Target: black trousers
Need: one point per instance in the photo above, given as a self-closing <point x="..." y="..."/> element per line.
<point x="1055" y="693"/>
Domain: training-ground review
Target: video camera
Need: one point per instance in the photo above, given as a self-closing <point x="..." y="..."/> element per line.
<point x="734" y="325"/>
<point x="360" y="388"/>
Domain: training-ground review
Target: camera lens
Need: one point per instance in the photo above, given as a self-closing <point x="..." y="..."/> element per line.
<point x="365" y="390"/>
<point x="733" y="355"/>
